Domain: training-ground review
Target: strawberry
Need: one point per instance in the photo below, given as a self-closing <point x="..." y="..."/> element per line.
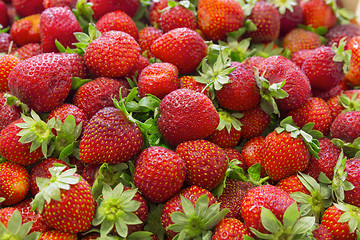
<point x="189" y="82"/>
<point x="62" y="197"/>
<point x="182" y="47"/>
<point x="7" y="63"/>
<point x="56" y="234"/>
<point x="59" y="3"/>
<point x="108" y="133"/>
<point x="322" y="233"/>
<point x="252" y="152"/>
<point x="254" y="121"/>
<point x="176" y="17"/>
<point x="119" y="21"/>
<point x="14" y="183"/>
<point x="215" y="27"/>
<point x="101" y="7"/>
<point x="291" y="14"/>
<point x="352" y="168"/>
<point x="58" y="23"/>
<point x="232" y="228"/>
<point x="5" y="40"/>
<point x="120" y="58"/>
<point x="90" y="173"/>
<point x="98" y="93"/>
<point x="346" y="126"/>
<point x="267" y="21"/>
<point x="337" y="90"/>
<point x="232" y="153"/>
<point x="142" y="63"/>
<point x="253" y="61"/>
<point x="299" y="57"/>
<point x="318" y="13"/>
<point x="186" y="115"/>
<point x="313" y="110"/>
<point x="51" y="75"/>
<point x="336" y="33"/>
<point x="27" y="8"/>
<point x="232" y="196"/>
<point x="205" y="162"/>
<point x="292" y="184"/>
<point x="159" y="173"/>
<point x="147" y="36"/>
<point x="353" y="75"/>
<point x="8" y="114"/>
<point x="5" y="214"/>
<point x="77" y="65"/>
<point x="26" y="30"/>
<point x="155" y="10"/>
<point x="4" y="17"/>
<point x="156" y="75"/>
<point x="28" y="50"/>
<point x="300" y="39"/>
<point x="343" y="102"/>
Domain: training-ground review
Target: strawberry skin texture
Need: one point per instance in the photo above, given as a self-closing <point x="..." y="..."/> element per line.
<point x="59" y="3"/>
<point x="352" y="168"/>
<point x="336" y="33"/>
<point x="353" y="76"/>
<point x="225" y="139"/>
<point x="322" y="233"/>
<point x="205" y="162"/>
<point x="318" y="14"/>
<point x="12" y="150"/>
<point x="26" y="30"/>
<point x="177" y="17"/>
<point x="232" y="153"/>
<point x="28" y="50"/>
<point x="230" y="228"/>
<point x="42" y="82"/>
<point x="334" y="102"/>
<point x="268" y="196"/>
<point x="77" y="65"/>
<point x="5" y="214"/>
<point x="4" y="17"/>
<point x="290" y="19"/>
<point x="58" y="23"/>
<point x="5" y="40"/>
<point x="28" y="7"/>
<point x="182" y="47"/>
<point x="284" y="155"/>
<point x="346" y="126"/>
<point x="8" y="114"/>
<point x="159" y="173"/>
<point x="57" y="235"/>
<point x="116" y="61"/>
<point x="155" y="11"/>
<point x="301" y="39"/>
<point x="7" y="63"/>
<point x="190" y="83"/>
<point x="186" y="115"/>
<point x="216" y="18"/>
<point x="254" y="122"/>
<point x="101" y="7"/>
<point x="292" y="184"/>
<point x="252" y="152"/>
<point x="340" y="231"/>
<point x="147" y="36"/>
<point x="110" y="137"/>
<point x="14" y="183"/>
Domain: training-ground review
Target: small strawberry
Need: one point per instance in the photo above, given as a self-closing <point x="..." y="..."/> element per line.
<point x="155" y="10"/>
<point x="7" y="63"/>
<point x="254" y="121"/>
<point x="147" y="36"/>
<point x="318" y="13"/>
<point x="182" y="47"/>
<point x="252" y="152"/>
<point x="101" y="7"/>
<point x="232" y="228"/>
<point x="8" y="114"/>
<point x="91" y="172"/>
<point x="346" y="126"/>
<point x="14" y="183"/>
<point x="232" y="153"/>
<point x="28" y="50"/>
<point x="56" y="234"/>
<point x="27" y="8"/>
<point x="26" y="30"/>
<point x="177" y="15"/>
<point x="300" y="39"/>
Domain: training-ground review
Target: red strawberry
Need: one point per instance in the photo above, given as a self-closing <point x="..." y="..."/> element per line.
<point x="352" y="168"/>
<point x="59" y="3"/>
<point x="102" y="7"/>
<point x="318" y="13"/>
<point x="14" y="183"/>
<point x="292" y="184"/>
<point x="53" y="81"/>
<point x="26" y="30"/>
<point x="253" y="61"/>
<point x="232" y="154"/>
<point x="189" y="82"/>
<point x="291" y="14"/>
<point x="353" y="76"/>
<point x="110" y="137"/>
<point x="155" y="10"/>
<point x="158" y="79"/>
<point x="5" y="40"/>
<point x="343" y="101"/>
<point x="147" y="36"/>
<point x="56" y="234"/>
<point x="5" y="214"/>
<point x="336" y="33"/>
<point x="119" y="21"/>
<point x="7" y="63"/>
<point x="327" y="94"/>
<point x="186" y="115"/>
<point x="4" y="17"/>
<point x="177" y="17"/>
<point x="299" y="57"/>
<point x="58" y="23"/>
<point x="231" y="228"/>
<point x="252" y="152"/>
<point x="77" y="65"/>
<point x="182" y="47"/>
<point x="135" y="72"/>
<point x="322" y="233"/>
<point x="29" y="50"/>
<point x="28" y="7"/>
<point x="301" y="39"/>
<point x="159" y="173"/>
<point x="120" y="58"/>
<point x="254" y="122"/>
<point x="8" y="114"/>
<point x="90" y="173"/>
<point x="98" y="93"/>
<point x="216" y="18"/>
<point x="205" y="162"/>
<point x="346" y="126"/>
<point x="267" y="20"/>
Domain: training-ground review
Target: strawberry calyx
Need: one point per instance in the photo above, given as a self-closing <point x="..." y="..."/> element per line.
<point x="184" y="3"/>
<point x="15" y="230"/>
<point x="83" y="40"/>
<point x="36" y="131"/>
<point x="4" y="30"/>
<point x="320" y="31"/>
<point x="350" y="103"/>
<point x="116" y="210"/>
<point x="351" y="216"/>
<point x="309" y="136"/>
<point x="11" y="100"/>
<point x="269" y="92"/>
<point x="283" y="5"/>
<point x="240" y="50"/>
<point x="196" y="222"/>
<point x="49" y="189"/>
<point x="293" y="226"/>
<point x="78" y="82"/>
<point x="341" y="55"/>
<point x="338" y="185"/>
<point x="84" y="14"/>
<point x="351" y="149"/>
<point x="317" y="202"/>
<point x="267" y="50"/>
<point x="342" y="14"/>
<point x="229" y="120"/>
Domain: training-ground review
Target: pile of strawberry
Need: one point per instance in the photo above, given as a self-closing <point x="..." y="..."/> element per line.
<point x="200" y="119"/>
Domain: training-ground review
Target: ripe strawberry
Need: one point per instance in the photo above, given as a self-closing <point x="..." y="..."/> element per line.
<point x="135" y="72"/>
<point x="345" y="101"/>
<point x="98" y="93"/>
<point x="158" y="79"/>
<point x="4" y="17"/>
<point x="300" y="39"/>
<point x="291" y="14"/>
<point x="322" y="233"/>
<point x="5" y="214"/>
<point x="232" y="228"/>
<point x="77" y="65"/>
<point x="232" y="197"/>
<point x="26" y="30"/>
<point x="5" y="40"/>
<point x="58" y="23"/>
<point x="318" y="13"/>
<point x="299" y="57"/>
<point x="267" y="196"/>
<point x="232" y="153"/>
<point x="337" y="90"/>
<point x="336" y="33"/>
<point x="242" y="87"/>
<point x="159" y="173"/>
<point x="155" y="10"/>
<point x="7" y="63"/>
<point x="292" y="184"/>
<point x="120" y="58"/>
<point x="253" y="61"/>
<point x="119" y="21"/>
<point x="14" y="183"/>
<point x="252" y="152"/>
<point x="27" y="8"/>
<point x="42" y="82"/>
<point x="28" y="50"/>
<point x="101" y="7"/>
<point x="90" y="173"/>
<point x="267" y="20"/>
<point x="189" y="82"/>
<point x="186" y="115"/>
<point x="182" y="47"/>
<point x="205" y="162"/>
<point x="353" y="76"/>
<point x="346" y="126"/>
<point x="214" y="27"/>
<point x="313" y="110"/>
<point x="254" y="122"/>
<point x="8" y="114"/>
<point x="59" y="3"/>
<point x="62" y="197"/>
<point x="108" y="133"/>
<point x="177" y="17"/>
<point x="56" y="234"/>
<point x="352" y="168"/>
<point x="147" y="36"/>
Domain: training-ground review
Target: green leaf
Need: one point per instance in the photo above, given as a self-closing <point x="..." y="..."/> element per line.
<point x="179" y="218"/>
<point x="291" y="216"/>
<point x="201" y="205"/>
<point x="187" y="206"/>
<point x="131" y="219"/>
<point x="304" y="224"/>
<point x="107" y="225"/>
<point x="14" y="222"/>
<point x="269" y="221"/>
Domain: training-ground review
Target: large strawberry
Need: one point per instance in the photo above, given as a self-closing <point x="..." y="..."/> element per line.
<point x="26" y="30"/>
<point x="216" y="18"/>
<point x="346" y="126"/>
<point x="159" y="173"/>
<point x="318" y="13"/>
<point x="182" y="47"/>
<point x="186" y="115"/>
